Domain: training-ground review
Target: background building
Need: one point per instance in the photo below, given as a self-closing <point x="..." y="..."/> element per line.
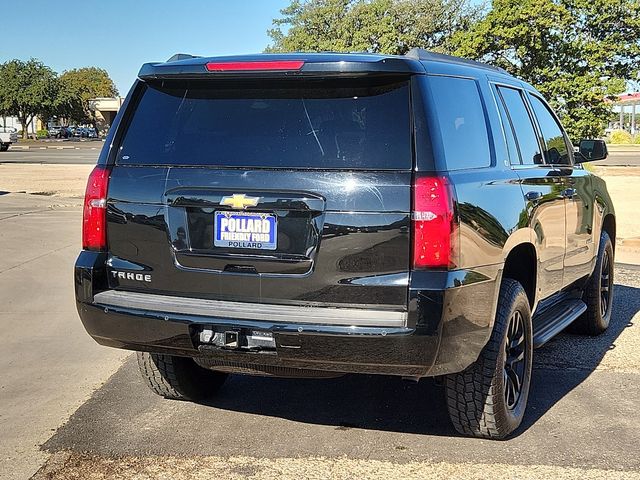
<point x="13" y="122"/>
<point x="105" y="110"/>
<point x="627" y="105"/>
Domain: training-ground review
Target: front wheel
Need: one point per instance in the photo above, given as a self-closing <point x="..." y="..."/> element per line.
<point x="598" y="294"/>
<point x="4" y="147"/>
<point x="489" y="398"/>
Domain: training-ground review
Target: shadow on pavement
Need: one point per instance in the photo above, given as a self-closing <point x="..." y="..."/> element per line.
<point x="368" y="402"/>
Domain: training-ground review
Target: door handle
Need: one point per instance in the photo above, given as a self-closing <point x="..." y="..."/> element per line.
<point x="568" y="192"/>
<point x="533" y="196"/>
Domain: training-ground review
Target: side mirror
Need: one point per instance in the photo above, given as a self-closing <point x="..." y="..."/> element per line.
<point x="591" y="150"/>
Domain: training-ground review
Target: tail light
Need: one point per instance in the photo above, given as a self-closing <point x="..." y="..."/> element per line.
<point x="434" y="223"/>
<point x="94" y="218"/>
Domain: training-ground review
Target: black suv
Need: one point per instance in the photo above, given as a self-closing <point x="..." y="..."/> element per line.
<point x="311" y="215"/>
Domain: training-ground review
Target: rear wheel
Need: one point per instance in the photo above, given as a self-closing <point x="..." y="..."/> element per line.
<point x="489" y="398"/>
<point x="598" y="294"/>
<point x="4" y="147"/>
<point x="178" y="378"/>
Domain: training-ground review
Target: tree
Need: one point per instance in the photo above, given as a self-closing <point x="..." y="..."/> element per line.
<point x="576" y="52"/>
<point x="81" y="85"/>
<point x="377" y="26"/>
<point x="27" y="89"/>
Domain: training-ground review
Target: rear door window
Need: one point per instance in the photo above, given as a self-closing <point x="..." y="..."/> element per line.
<point x="330" y="124"/>
<point x="461" y="118"/>
<point x="526" y="137"/>
<point x="556" y="149"/>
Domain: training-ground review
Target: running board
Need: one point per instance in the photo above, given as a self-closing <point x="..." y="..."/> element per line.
<point x="553" y="320"/>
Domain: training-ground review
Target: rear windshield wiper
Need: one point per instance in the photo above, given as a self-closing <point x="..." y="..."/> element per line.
<point x="313" y="130"/>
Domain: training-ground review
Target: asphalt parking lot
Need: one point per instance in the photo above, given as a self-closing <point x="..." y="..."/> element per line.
<point x="54" y="153"/>
<point x="72" y="409"/>
<point x="621" y="155"/>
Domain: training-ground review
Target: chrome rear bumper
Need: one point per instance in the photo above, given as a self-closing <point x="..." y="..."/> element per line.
<point x="252" y="311"/>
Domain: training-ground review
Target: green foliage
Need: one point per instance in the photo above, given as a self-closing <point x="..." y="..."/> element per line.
<point x="620" y="137"/>
<point x="30" y="89"/>
<point x="576" y="52"/>
<point x="79" y="86"/>
<point x="27" y="89"/>
<point x="377" y="26"/>
<point x="42" y="133"/>
<point x="636" y="139"/>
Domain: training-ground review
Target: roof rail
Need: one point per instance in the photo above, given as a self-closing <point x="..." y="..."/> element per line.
<point x="422" y="54"/>
<point x="181" y="56"/>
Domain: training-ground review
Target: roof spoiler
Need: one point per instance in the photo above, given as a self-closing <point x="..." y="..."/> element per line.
<point x="185" y="66"/>
<point x="189" y="67"/>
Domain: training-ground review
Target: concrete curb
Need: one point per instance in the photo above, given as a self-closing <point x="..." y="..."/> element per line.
<point x="627" y="266"/>
<point x="51" y="147"/>
<point x="623" y="148"/>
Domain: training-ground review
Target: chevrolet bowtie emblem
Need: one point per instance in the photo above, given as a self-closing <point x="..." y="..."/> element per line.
<point x="240" y="201"/>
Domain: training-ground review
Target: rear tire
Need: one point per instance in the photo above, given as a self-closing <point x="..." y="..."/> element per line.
<point x="598" y="294"/>
<point x="178" y="378"/>
<point x="4" y="147"/>
<point x="489" y="398"/>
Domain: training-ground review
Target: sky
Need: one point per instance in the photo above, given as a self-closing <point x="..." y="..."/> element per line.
<point x="121" y="35"/>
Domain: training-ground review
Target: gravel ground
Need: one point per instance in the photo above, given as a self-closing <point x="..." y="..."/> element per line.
<point x="622" y="183"/>
<point x="54" y="180"/>
<point x="74" y="466"/>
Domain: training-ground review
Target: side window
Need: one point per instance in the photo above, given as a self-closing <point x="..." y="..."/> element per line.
<point x="512" y="146"/>
<point x="463" y="126"/>
<point x="522" y="125"/>
<point x="556" y="150"/>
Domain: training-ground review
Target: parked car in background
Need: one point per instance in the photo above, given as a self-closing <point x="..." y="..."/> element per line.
<point x="84" y="132"/>
<point x="59" y="132"/>
<point x="8" y="136"/>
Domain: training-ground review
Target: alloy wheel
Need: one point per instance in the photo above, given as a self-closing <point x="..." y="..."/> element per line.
<point x="514" y="364"/>
<point x="605" y="284"/>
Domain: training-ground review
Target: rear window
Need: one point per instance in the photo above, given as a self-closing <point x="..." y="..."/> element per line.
<point x="353" y="125"/>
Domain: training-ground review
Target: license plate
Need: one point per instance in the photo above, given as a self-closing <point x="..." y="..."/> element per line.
<point x="245" y="230"/>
